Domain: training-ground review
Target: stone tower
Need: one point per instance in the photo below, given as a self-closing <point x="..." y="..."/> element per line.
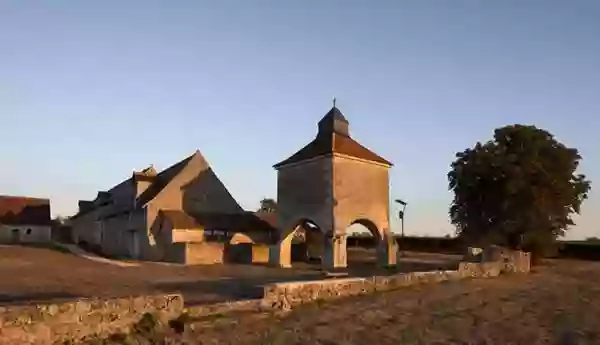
<point x="333" y="182"/>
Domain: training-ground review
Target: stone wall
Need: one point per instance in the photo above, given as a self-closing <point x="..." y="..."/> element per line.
<point x="514" y="260"/>
<point x="187" y="235"/>
<point x="55" y="323"/>
<point x="304" y="193"/>
<point x="361" y="192"/>
<point x="25" y="234"/>
<point x="286" y="295"/>
<point x="207" y="253"/>
<point x="204" y="253"/>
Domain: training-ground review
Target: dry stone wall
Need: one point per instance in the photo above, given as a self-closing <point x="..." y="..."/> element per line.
<point x="286" y="295"/>
<point x="70" y="321"/>
<point x="75" y="320"/>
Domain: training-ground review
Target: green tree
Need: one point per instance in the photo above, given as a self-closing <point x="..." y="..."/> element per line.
<point x="268" y="205"/>
<point x="518" y="190"/>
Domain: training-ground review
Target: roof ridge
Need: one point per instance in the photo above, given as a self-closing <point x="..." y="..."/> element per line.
<point x="6" y="196"/>
<point x="164" y="177"/>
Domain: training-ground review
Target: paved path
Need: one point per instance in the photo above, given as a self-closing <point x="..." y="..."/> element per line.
<point x="90" y="256"/>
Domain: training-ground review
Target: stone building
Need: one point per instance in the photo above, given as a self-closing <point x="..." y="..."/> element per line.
<point x="143" y="216"/>
<point x="24" y="220"/>
<point x="328" y="185"/>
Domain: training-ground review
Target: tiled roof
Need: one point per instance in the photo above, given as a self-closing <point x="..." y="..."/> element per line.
<point x="269" y="217"/>
<point x="16" y="210"/>
<point x="333" y="137"/>
<point x="333" y="143"/>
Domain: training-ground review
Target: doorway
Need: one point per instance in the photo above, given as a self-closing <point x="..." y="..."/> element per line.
<point x="134" y="244"/>
<point x="15" y="236"/>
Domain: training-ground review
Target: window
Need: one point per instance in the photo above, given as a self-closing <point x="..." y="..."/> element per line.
<point x="28" y="232"/>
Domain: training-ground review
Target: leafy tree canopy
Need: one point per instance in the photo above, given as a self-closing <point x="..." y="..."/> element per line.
<point x="519" y="189"/>
<point x="268" y="205"/>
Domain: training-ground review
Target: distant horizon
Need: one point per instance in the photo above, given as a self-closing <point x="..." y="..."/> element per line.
<point x="92" y="91"/>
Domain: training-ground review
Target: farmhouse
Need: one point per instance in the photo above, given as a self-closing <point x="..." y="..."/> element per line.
<point x="24" y="220"/>
<point x="149" y="214"/>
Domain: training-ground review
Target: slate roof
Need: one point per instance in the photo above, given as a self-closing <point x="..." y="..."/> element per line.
<point x="239" y="222"/>
<point x="18" y="210"/>
<point x="162" y="179"/>
<point x="329" y="141"/>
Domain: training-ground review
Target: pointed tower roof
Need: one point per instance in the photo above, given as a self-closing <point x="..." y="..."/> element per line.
<point x="334" y="122"/>
<point x="333" y="137"/>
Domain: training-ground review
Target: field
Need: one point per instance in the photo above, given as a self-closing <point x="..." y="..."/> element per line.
<point x="558" y="303"/>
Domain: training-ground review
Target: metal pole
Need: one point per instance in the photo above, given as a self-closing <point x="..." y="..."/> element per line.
<point x="402" y="230"/>
<point x="401" y="215"/>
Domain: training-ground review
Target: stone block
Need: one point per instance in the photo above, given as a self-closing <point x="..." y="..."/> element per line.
<point x="55" y="323"/>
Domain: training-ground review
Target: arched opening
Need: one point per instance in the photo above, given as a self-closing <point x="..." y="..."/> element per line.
<point x="363" y="243"/>
<point x="305" y="243"/>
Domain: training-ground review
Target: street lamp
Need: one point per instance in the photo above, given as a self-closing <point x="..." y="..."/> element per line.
<point x="401" y="216"/>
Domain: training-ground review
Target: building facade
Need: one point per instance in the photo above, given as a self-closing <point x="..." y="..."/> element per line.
<point x="24" y="220"/>
<point x="130" y="219"/>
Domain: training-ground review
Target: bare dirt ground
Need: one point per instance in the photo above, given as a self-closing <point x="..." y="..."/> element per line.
<point x="40" y="275"/>
<point x="556" y="304"/>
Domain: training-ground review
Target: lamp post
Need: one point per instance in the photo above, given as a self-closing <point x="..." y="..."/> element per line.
<point x="401" y="216"/>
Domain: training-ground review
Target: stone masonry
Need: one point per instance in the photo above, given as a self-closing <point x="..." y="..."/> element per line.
<point x="69" y="321"/>
<point x="333" y="182"/>
<point x="45" y="324"/>
<point x="286" y="295"/>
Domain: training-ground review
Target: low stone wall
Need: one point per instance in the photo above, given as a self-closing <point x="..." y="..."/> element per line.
<point x="207" y="253"/>
<point x="514" y="260"/>
<point x="192" y="253"/>
<point x="286" y="295"/>
<point x="55" y="323"/>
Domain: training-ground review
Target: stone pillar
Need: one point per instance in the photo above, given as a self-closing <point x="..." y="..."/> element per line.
<point x="335" y="255"/>
<point x="315" y="244"/>
<point x="280" y="254"/>
<point x="387" y="252"/>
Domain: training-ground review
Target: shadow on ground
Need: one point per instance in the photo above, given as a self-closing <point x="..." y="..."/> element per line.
<point x="36" y="298"/>
<point x="236" y="288"/>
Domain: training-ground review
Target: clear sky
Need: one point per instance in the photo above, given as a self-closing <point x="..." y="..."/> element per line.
<point x="90" y="90"/>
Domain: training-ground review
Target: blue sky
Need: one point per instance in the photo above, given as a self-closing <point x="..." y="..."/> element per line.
<point x="90" y="90"/>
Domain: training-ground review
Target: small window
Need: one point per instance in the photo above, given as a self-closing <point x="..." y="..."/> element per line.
<point x="28" y="232"/>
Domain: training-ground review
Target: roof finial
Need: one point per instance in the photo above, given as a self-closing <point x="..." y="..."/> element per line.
<point x="334" y="101"/>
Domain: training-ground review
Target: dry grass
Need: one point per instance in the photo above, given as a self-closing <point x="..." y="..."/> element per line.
<point x="556" y="304"/>
<point x="42" y="274"/>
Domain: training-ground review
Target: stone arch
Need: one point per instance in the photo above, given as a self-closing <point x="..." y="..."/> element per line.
<point x="314" y="239"/>
<point x="384" y="245"/>
<point x="369" y="225"/>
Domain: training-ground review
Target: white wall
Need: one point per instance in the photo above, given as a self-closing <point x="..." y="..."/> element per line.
<point x="27" y="233"/>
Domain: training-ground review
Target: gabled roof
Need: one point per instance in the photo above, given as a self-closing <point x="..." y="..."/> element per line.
<point x="333" y="137"/>
<point x="162" y="179"/>
<point x="18" y="210"/>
